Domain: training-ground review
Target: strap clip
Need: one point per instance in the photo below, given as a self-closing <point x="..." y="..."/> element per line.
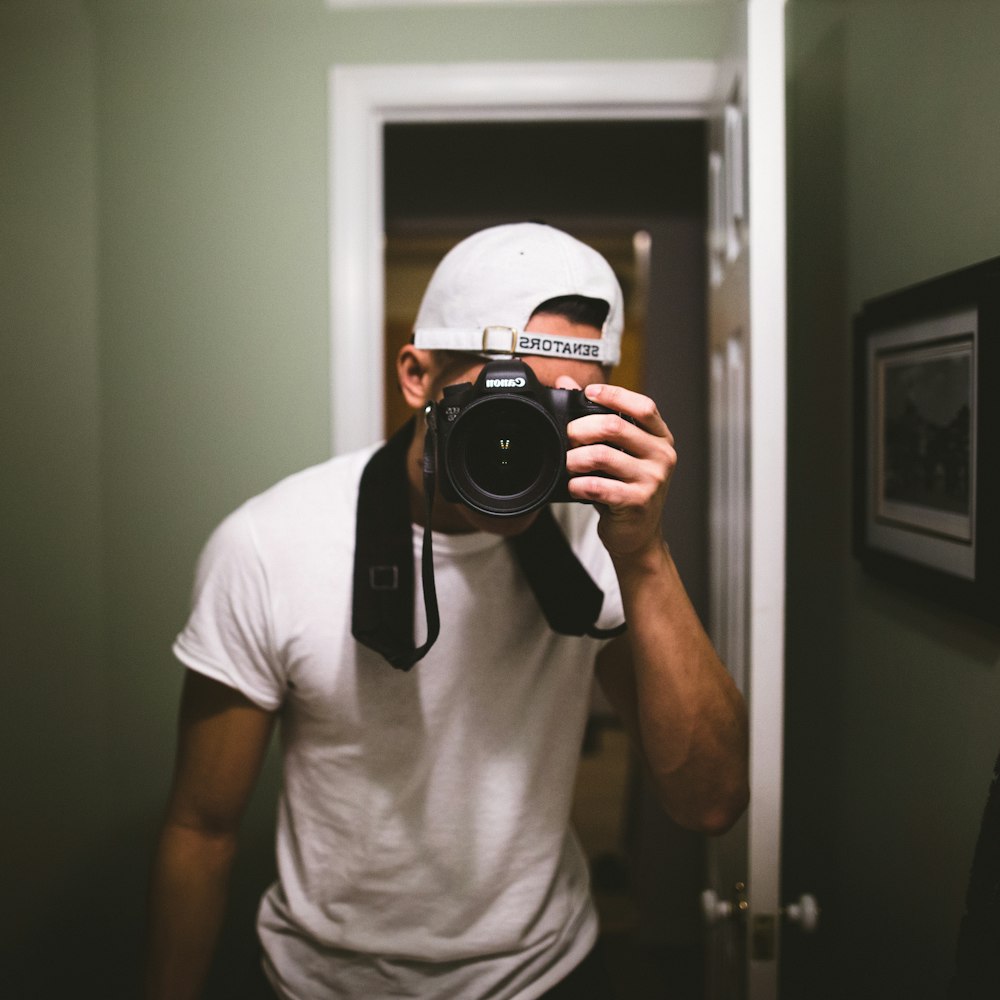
<point x="499" y="331"/>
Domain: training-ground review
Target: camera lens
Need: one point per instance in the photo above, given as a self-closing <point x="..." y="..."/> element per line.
<point x="505" y="455"/>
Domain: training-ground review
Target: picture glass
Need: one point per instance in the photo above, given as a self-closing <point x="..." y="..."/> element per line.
<point x="924" y="464"/>
<point x="921" y="448"/>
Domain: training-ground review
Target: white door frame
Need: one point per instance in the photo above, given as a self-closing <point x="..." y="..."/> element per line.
<point x="365" y="98"/>
<point x="768" y="434"/>
<point x="749" y="312"/>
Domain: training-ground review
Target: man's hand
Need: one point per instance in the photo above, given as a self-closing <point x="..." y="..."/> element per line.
<point x="639" y="458"/>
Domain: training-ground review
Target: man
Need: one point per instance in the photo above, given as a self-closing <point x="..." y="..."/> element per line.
<point x="423" y="842"/>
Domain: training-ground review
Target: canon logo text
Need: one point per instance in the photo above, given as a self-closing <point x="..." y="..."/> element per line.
<point x="505" y="383"/>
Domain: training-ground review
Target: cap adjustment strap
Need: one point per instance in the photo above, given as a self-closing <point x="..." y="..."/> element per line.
<point x="507" y="340"/>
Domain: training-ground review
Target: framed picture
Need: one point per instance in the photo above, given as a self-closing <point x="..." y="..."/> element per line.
<point x="926" y="438"/>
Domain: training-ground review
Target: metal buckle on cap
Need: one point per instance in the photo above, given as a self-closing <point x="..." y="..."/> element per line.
<point x="489" y="330"/>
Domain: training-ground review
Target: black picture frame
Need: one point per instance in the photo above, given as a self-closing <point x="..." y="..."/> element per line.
<point x="926" y="410"/>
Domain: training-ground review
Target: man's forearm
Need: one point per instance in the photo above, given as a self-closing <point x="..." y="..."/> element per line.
<point x="690" y="717"/>
<point x="675" y="695"/>
<point x="188" y="890"/>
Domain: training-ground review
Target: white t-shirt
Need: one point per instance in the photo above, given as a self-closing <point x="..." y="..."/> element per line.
<point x="423" y="844"/>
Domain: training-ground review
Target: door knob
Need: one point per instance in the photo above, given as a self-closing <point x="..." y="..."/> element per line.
<point x="714" y="909"/>
<point x="805" y="912"/>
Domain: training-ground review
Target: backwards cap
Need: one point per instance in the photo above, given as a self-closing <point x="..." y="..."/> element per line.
<point x="485" y="289"/>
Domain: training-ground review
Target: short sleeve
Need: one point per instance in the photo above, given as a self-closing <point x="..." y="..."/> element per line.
<point x="580" y="522"/>
<point x="228" y="635"/>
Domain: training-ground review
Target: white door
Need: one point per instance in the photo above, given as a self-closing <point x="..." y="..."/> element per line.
<point x="747" y="366"/>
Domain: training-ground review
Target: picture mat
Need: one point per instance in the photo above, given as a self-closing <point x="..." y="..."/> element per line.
<point x="922" y="533"/>
<point x="937" y="383"/>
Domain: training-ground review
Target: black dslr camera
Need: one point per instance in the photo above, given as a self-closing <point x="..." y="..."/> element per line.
<point x="501" y="442"/>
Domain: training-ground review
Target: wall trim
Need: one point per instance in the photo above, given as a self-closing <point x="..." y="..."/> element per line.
<point x="362" y="99"/>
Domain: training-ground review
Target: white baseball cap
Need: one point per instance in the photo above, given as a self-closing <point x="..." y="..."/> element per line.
<point x="486" y="288"/>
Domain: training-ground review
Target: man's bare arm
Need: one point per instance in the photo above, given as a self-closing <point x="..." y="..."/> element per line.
<point x="682" y="709"/>
<point x="222" y="741"/>
<point x="665" y="678"/>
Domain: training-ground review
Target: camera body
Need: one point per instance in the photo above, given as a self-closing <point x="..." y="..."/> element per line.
<point x="501" y="441"/>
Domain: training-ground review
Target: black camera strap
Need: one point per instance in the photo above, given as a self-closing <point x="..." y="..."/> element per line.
<point x="565" y="591"/>
<point x="383" y="599"/>
<point x="382" y="612"/>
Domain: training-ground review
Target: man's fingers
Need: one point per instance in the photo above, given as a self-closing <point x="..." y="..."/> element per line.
<point x="633" y="404"/>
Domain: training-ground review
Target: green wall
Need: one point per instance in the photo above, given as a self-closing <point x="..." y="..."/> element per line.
<point x="894" y="174"/>
<point x="164" y="308"/>
<point x="55" y="733"/>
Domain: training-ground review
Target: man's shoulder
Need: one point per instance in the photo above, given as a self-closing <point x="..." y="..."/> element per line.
<point x="327" y="489"/>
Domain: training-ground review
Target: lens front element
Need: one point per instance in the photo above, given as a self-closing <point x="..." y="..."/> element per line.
<point x="505" y="455"/>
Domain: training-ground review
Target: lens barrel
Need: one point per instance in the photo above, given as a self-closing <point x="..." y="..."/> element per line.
<point x="505" y="455"/>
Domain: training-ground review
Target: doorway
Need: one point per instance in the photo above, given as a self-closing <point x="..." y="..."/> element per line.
<point x="363" y="98"/>
<point x="636" y="191"/>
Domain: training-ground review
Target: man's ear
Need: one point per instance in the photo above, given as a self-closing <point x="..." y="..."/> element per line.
<point x="415" y="371"/>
